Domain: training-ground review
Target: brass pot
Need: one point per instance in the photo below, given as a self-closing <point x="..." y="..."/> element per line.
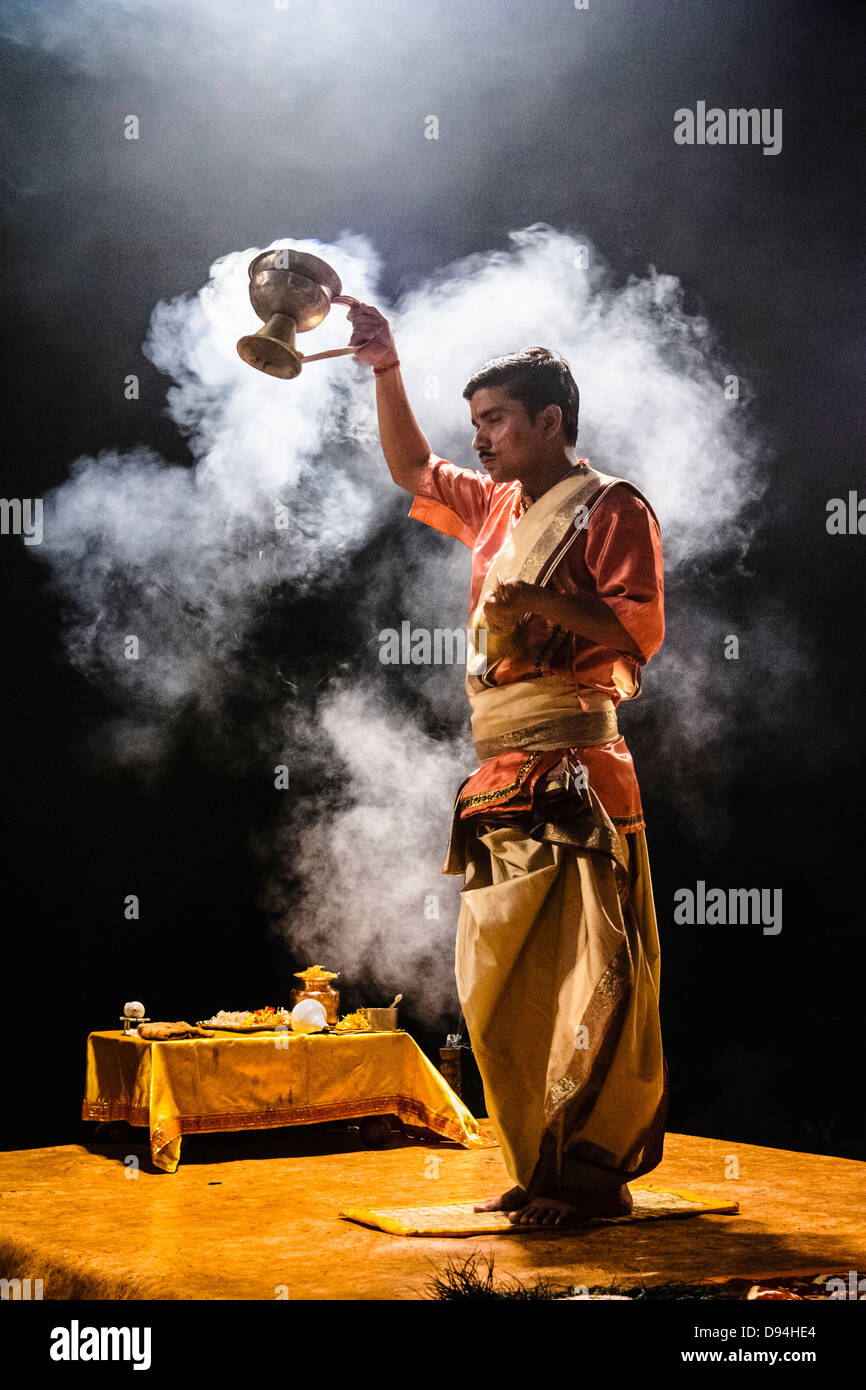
<point x="324" y="992"/>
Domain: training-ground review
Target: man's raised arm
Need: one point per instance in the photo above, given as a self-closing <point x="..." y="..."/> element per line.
<point x="405" y="448"/>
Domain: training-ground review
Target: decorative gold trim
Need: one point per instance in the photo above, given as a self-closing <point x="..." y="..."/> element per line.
<point x="584" y="1076"/>
<point x="482" y="798"/>
<point x="579" y="730"/>
<point x="554" y="535"/>
<point x="567" y="541"/>
<point x="106" y="1111"/>
<point x="404" y="1107"/>
<point x="623" y="823"/>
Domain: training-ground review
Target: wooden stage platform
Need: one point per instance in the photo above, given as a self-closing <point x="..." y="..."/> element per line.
<point x="254" y="1216"/>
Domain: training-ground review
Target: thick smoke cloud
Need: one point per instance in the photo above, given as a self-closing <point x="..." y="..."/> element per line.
<point x="653" y="404"/>
<point x="188" y="560"/>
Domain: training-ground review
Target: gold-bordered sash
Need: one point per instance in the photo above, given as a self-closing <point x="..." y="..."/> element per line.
<point x="531" y="551"/>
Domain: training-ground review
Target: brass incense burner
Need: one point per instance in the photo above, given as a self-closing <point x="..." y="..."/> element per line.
<point x="292" y="292"/>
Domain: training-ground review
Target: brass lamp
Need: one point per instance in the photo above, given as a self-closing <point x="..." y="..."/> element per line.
<point x="292" y="292"/>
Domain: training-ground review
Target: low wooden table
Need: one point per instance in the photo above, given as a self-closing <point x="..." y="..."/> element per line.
<point x="265" y="1081"/>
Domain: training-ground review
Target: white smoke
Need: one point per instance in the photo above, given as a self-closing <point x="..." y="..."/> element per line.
<point x="653" y="403"/>
<point x="189" y="560"/>
<point x="371" y="871"/>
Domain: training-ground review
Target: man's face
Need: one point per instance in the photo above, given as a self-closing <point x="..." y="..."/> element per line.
<point x="506" y="440"/>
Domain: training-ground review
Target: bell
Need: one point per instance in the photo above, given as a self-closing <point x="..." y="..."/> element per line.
<point x="292" y="292"/>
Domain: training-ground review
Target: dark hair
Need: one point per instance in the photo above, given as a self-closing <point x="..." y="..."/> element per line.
<point x="537" y="377"/>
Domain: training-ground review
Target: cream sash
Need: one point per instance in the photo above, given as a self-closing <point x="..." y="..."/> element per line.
<point x="548" y="712"/>
<point x="543" y="713"/>
<point x="544" y="533"/>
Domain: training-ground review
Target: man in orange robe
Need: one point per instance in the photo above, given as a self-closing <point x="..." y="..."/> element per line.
<point x="557" y="953"/>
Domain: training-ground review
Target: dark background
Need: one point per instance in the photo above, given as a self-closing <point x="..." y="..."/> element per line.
<point x="764" y="1035"/>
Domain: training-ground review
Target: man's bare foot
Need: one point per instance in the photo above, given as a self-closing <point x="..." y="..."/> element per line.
<point x="549" y="1211"/>
<point x="509" y="1201"/>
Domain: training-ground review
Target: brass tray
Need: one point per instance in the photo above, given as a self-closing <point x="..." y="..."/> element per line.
<point x="278" y="1028"/>
<point x="245" y="1027"/>
<point x="363" y="1032"/>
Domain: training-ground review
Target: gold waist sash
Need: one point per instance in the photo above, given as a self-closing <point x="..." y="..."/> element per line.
<point x="538" y="715"/>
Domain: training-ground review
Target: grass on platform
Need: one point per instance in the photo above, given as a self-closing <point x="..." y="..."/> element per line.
<point x="474" y="1278"/>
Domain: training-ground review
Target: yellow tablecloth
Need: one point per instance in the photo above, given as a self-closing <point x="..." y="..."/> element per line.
<point x="263" y="1081"/>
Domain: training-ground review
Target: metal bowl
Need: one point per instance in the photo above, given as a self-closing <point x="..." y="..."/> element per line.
<point x="293" y="283"/>
<point x="383" y="1020"/>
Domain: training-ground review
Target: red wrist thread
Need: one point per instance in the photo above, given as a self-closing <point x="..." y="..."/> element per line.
<point x="379" y="371"/>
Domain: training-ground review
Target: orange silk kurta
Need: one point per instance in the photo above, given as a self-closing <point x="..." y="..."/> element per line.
<point x="618" y="557"/>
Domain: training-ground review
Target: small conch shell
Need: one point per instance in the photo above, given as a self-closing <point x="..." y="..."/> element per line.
<point x="308" y="1016"/>
<point x="133" y="1010"/>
